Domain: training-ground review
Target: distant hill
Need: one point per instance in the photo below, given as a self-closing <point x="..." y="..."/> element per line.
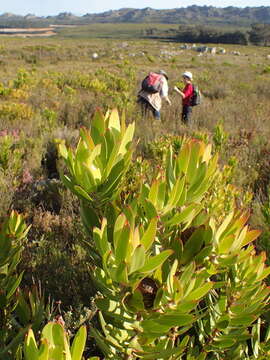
<point x="191" y="14"/>
<point x="206" y="15"/>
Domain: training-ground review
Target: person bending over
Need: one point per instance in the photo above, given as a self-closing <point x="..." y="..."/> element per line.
<point x="152" y="101"/>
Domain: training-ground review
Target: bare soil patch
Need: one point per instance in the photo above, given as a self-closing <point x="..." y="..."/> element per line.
<point x="28" y="32"/>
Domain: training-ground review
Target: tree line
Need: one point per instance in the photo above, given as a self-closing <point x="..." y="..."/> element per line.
<point x="258" y="34"/>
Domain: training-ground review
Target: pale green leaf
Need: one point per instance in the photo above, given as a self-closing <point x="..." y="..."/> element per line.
<point x="78" y="344"/>
<point x="138" y="259"/>
<point x="150" y="233"/>
<point x="30" y="346"/>
<point x="200" y="292"/>
<point x="156" y="261"/>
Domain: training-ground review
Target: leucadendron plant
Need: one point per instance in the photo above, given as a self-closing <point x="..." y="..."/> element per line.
<point x="98" y="164"/>
<point x="100" y="160"/>
<point x="173" y="280"/>
<point x="54" y="344"/>
<point x="13" y="232"/>
<point x="19" y="309"/>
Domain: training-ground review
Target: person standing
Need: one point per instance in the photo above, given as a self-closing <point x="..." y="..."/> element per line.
<point x="186" y="95"/>
<point x="152" y="101"/>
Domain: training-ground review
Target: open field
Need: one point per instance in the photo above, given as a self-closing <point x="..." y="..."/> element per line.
<point x="220" y="77"/>
<point x="60" y="78"/>
<point x="51" y="87"/>
<point x="114" y="31"/>
<point x="60" y="75"/>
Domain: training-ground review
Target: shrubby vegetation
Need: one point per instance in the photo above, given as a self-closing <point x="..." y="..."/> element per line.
<point x="258" y="34"/>
<point x="204" y="34"/>
<point x="172" y="263"/>
<point x="158" y="226"/>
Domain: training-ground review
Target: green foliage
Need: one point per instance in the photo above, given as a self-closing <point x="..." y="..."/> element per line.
<point x="18" y="308"/>
<point x="62" y="92"/>
<point x="260" y="34"/>
<point x="98" y="164"/>
<point x="174" y="280"/>
<point x="10" y="111"/>
<point x="219" y="137"/>
<point x="4" y="91"/>
<point x="9" y="154"/>
<point x="13" y="232"/>
<point x="23" y="78"/>
<point x="49" y="117"/>
<point x="266" y="70"/>
<point x="54" y="344"/>
<point x="208" y="34"/>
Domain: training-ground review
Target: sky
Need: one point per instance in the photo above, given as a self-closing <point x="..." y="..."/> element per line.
<point x="81" y="7"/>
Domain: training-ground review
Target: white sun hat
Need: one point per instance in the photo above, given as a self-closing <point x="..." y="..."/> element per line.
<point x="187" y="74"/>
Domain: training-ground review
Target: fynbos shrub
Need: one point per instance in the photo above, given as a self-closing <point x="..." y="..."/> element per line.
<point x="175" y="281"/>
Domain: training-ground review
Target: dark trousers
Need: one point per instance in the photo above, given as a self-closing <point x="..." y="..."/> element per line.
<point x="186" y="114"/>
<point x="147" y="108"/>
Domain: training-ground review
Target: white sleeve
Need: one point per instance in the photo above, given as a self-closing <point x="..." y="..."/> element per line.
<point x="165" y="88"/>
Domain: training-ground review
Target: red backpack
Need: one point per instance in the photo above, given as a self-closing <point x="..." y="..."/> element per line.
<point x="152" y="83"/>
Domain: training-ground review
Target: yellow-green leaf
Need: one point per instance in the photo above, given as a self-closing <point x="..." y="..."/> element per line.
<point x="200" y="292"/>
<point x="78" y="344"/>
<point x="150" y="233"/>
<point x="138" y="259"/>
<point x="154" y="262"/>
